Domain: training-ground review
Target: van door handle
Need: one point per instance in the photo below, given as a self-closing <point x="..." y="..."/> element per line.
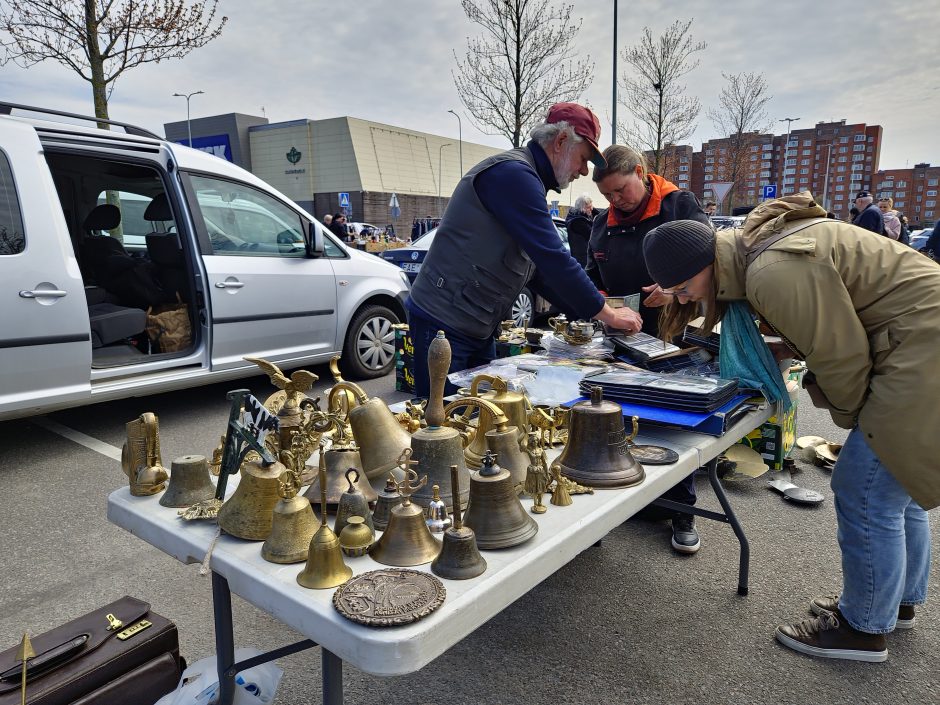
<point x="37" y="293"/>
<point x="229" y="285"/>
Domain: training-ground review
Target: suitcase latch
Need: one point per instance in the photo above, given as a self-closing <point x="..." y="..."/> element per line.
<point x="134" y="629"/>
<point x="114" y="623"/>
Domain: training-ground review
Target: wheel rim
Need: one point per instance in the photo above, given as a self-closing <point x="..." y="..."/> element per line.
<point x="375" y="343"/>
<point x="522" y="309"/>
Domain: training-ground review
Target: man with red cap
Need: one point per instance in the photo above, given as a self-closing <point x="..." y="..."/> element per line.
<point x="497" y="237"/>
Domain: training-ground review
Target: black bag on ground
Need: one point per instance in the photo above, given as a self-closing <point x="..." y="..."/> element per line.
<point x="88" y="662"/>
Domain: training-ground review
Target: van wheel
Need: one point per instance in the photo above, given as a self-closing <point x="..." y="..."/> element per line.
<point x="369" y="350"/>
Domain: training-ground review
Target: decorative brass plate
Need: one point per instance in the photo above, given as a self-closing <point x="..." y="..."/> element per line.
<point x="653" y="455"/>
<point x="389" y="597"/>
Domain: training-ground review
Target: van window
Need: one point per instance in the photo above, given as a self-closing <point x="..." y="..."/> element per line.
<point x="12" y="235"/>
<point x="241" y="220"/>
<point x="134" y="227"/>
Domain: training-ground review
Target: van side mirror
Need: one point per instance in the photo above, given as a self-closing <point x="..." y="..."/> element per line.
<point x="313" y="241"/>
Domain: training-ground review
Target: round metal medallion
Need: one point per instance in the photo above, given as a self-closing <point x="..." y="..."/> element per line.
<point x="653" y="455"/>
<point x="389" y="597"/>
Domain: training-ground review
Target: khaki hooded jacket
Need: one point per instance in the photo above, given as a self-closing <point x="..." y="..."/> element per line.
<point x="864" y="312"/>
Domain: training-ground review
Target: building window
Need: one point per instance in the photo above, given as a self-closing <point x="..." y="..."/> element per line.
<point x="932" y="192"/>
<point x="843" y="140"/>
<point x="754" y="147"/>
<point x="807" y="143"/>
<point x="840" y="178"/>
<point x="707" y="193"/>
<point x="858" y="148"/>
<point x="839" y="196"/>
<point x="843" y="150"/>
<point x="930" y="204"/>
<point x="858" y="167"/>
<point x="887" y="194"/>
<point x="901" y="194"/>
<point x="931" y="182"/>
<point x="928" y="214"/>
<point x="868" y="150"/>
<point x="791" y="162"/>
<point x="859" y="138"/>
<point x="753" y="157"/>
<point x="840" y="168"/>
<point x="840" y="187"/>
<point x="858" y="157"/>
<point x="871" y="138"/>
<point x="804" y="171"/>
<point x="899" y="204"/>
<point x="901" y="184"/>
<point x="710" y="160"/>
<point x="804" y="162"/>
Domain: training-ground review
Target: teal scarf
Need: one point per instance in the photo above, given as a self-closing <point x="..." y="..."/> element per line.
<point x="744" y="355"/>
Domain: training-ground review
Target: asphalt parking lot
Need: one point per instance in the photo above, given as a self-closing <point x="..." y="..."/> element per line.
<point x="626" y="622"/>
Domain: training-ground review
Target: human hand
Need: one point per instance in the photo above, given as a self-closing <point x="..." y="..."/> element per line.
<point x="625" y="319"/>
<point x="816" y="394"/>
<point x="656" y="296"/>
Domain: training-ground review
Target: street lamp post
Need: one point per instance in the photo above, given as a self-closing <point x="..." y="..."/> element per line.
<point x="613" y="118"/>
<point x="440" y="154"/>
<point x="459" y="137"/>
<point x="825" y="198"/>
<point x="187" y="96"/>
<point x="786" y="152"/>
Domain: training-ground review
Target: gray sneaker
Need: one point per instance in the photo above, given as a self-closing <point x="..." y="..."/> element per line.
<point x="684" y="536"/>
<point x="831" y="604"/>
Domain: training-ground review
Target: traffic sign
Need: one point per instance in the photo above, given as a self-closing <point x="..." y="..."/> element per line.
<point x="768" y="191"/>
<point x="720" y="189"/>
<point x="344" y="200"/>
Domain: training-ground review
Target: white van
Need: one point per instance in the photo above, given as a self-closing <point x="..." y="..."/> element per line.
<point x="98" y="226"/>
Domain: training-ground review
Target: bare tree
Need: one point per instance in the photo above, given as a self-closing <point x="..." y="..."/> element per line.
<point x="101" y="39"/>
<point x="662" y="113"/>
<point x="520" y="66"/>
<point x="739" y="117"/>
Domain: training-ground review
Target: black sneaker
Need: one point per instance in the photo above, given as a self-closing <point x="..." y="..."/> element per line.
<point x="684" y="536"/>
<point x="831" y="603"/>
<point x="830" y="636"/>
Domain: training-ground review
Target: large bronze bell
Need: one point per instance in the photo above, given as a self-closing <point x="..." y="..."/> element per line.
<point x="337" y="462"/>
<point x="378" y="434"/>
<point x="353" y="503"/>
<point x="514" y="406"/>
<point x="249" y="512"/>
<point x="325" y="567"/>
<point x="500" y="437"/>
<point x="407" y="541"/>
<point x="460" y="557"/>
<point x="292" y="526"/>
<point x="189" y="482"/>
<point x="388" y="498"/>
<point x="437" y="446"/>
<point x="495" y="514"/>
<point x="597" y="453"/>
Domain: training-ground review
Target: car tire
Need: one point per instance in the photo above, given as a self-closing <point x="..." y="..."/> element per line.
<point x="369" y="348"/>
<point x="523" y="308"/>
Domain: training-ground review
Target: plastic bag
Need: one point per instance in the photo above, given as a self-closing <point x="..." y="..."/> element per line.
<point x="168" y="326"/>
<point x="199" y="684"/>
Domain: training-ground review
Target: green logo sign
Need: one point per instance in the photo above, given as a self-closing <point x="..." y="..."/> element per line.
<point x="293" y="156"/>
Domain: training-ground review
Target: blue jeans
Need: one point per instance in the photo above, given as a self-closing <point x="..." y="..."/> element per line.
<point x="464" y="352"/>
<point x="885" y="540"/>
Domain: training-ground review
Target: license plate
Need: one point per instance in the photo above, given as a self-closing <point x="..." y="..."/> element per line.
<point x="413" y="267"/>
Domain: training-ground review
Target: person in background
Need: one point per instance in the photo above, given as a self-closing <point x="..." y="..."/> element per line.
<point x="639" y="201"/>
<point x="578" y="222"/>
<point x="327" y="219"/>
<point x="864" y="312"/>
<point x="711" y="208"/>
<point x="892" y="223"/>
<point x="932" y="247"/>
<point x="497" y="237"/>
<point x="869" y="216"/>
<point x="338" y="226"/>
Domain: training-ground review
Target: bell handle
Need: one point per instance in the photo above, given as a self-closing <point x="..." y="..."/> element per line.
<point x="352" y="483"/>
<point x="334" y="369"/>
<point x="358" y="393"/>
<point x="439" y="358"/>
<point x="497" y="384"/>
<point x="455" y="495"/>
<point x="499" y="418"/>
<point x="636" y="428"/>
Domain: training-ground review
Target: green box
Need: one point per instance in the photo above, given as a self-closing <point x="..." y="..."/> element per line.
<point x="775" y="438"/>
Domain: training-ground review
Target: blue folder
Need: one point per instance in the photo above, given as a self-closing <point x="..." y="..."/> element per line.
<point x="713" y="424"/>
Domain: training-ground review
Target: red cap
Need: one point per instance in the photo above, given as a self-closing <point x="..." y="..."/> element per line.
<point x="585" y="124"/>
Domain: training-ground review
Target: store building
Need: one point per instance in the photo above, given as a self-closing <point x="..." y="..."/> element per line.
<point x="319" y="163"/>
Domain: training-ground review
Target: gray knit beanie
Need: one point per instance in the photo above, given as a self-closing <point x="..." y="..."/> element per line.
<point x="677" y="251"/>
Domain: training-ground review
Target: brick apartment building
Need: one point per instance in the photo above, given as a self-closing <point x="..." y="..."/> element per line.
<point x="833" y="160"/>
<point x="913" y="190"/>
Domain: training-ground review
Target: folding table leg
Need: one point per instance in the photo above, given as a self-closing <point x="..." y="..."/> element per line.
<point x="745" y="557"/>
<point x="224" y="637"/>
<point x="332" y="678"/>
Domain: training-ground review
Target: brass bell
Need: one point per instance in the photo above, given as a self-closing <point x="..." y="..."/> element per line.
<point x="249" y="512"/>
<point x="495" y="513"/>
<point x="407" y="540"/>
<point x="377" y="432"/>
<point x="514" y="406"/>
<point x="459" y="558"/>
<point x="437" y="446"/>
<point x="337" y="461"/>
<point x="140" y="456"/>
<point x="353" y="503"/>
<point x="293" y="525"/>
<point x="436" y="512"/>
<point x="388" y="498"/>
<point x="189" y="482"/>
<point x="325" y="567"/>
<point x="356" y="537"/>
<point x="597" y="453"/>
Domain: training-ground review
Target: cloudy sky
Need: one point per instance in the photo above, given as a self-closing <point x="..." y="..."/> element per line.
<point x="391" y="61"/>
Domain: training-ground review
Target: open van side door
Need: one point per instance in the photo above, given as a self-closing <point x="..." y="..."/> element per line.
<point x="45" y="340"/>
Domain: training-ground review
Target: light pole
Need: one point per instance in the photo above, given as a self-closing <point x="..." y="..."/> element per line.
<point x="825" y="198"/>
<point x="187" y="96"/>
<point x="459" y="138"/>
<point x="786" y="153"/>
<point x="613" y="119"/>
<point x="440" y="155"/>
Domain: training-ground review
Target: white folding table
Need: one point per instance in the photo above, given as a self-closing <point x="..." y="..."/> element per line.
<point x="564" y="532"/>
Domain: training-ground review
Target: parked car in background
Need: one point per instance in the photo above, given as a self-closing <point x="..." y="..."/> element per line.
<point x="527" y="306"/>
<point x="723" y="222"/>
<point x="364" y="230"/>
<point x="919" y="238"/>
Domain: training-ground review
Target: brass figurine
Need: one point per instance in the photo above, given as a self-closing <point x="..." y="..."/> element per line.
<point x="140" y="456"/>
<point x="561" y="497"/>
<point x="537" y="477"/>
<point x="216" y="463"/>
<point x="412" y="418"/>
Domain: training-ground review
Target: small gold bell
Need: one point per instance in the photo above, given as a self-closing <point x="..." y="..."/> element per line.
<point x="352" y="503"/>
<point x="292" y="526"/>
<point x="388" y="498"/>
<point x="325" y="567"/>
<point x="356" y="537"/>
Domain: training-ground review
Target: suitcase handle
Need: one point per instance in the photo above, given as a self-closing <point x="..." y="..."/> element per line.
<point x="47" y="660"/>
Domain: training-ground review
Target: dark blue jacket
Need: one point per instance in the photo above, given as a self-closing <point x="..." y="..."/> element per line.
<point x="933" y="242"/>
<point x="871" y="219"/>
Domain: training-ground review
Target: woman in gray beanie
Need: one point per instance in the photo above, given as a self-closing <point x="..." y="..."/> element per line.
<point x="864" y="312"/>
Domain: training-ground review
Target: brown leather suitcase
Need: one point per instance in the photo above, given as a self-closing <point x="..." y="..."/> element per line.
<point x="89" y="661"/>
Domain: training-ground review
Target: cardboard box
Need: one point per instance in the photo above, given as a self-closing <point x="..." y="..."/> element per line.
<point x="775" y="438"/>
<point x="404" y="359"/>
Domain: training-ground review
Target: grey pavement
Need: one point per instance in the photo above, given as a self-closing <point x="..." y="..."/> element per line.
<point x="626" y="622"/>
